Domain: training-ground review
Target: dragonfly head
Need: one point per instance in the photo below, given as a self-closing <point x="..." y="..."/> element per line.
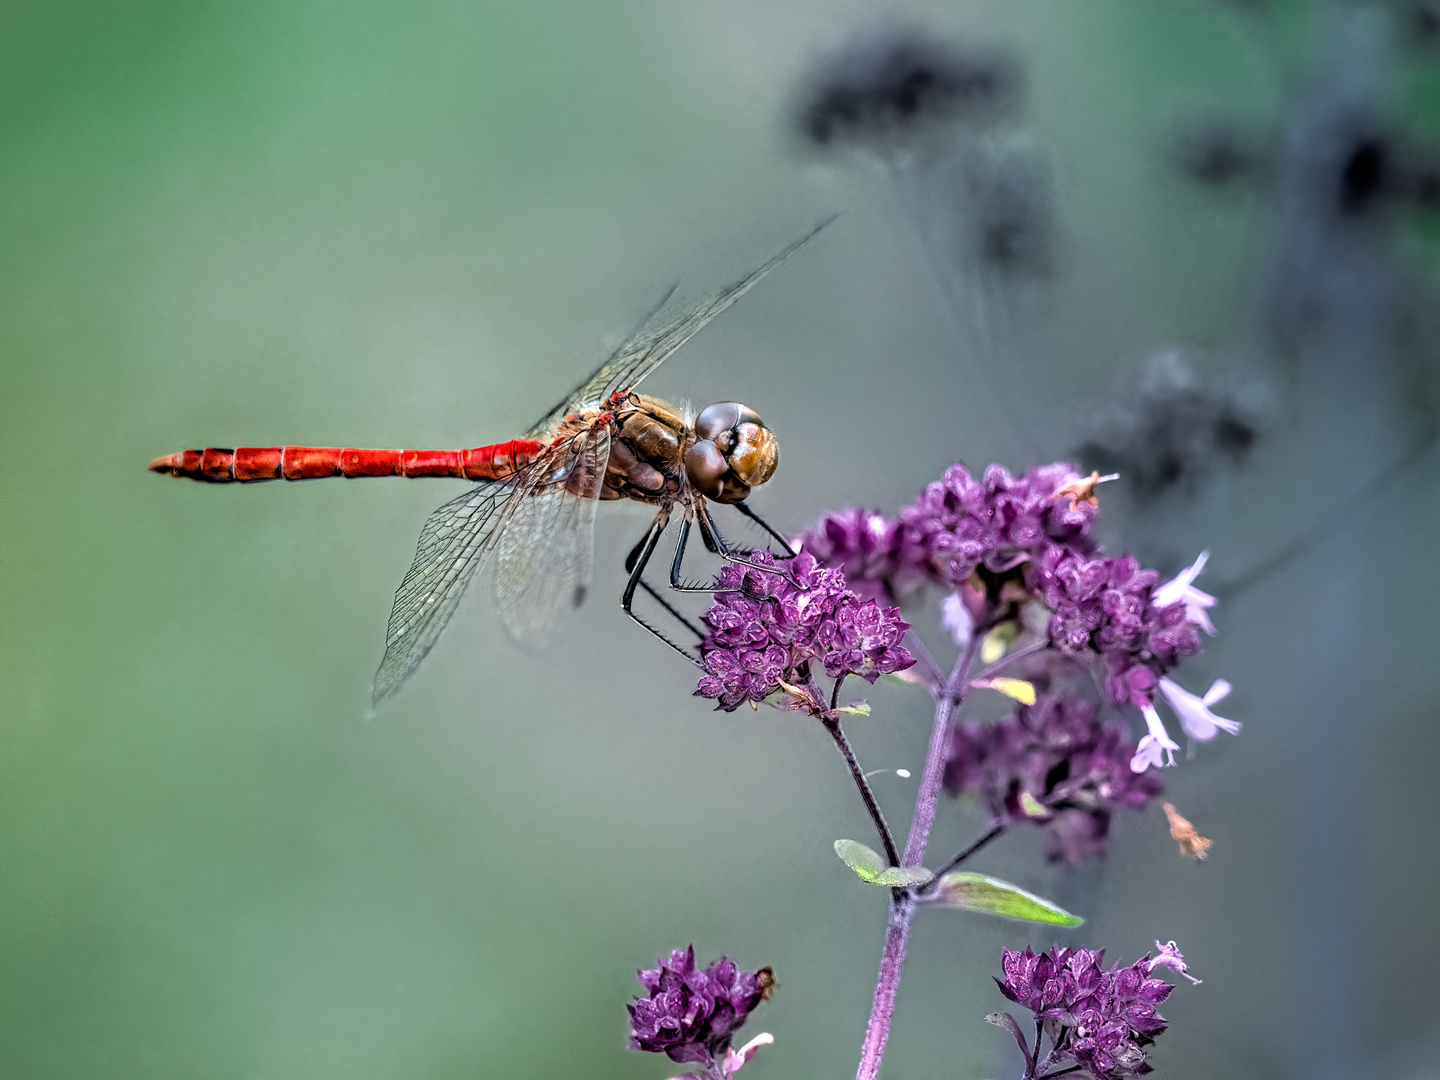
<point x="735" y="452"/>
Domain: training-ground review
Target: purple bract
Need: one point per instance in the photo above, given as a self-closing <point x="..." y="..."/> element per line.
<point x="691" y="1013"/>
<point x="1075" y="770"/>
<point x="1101" y="1020"/>
<point x="1004" y="540"/>
<point x="768" y="627"/>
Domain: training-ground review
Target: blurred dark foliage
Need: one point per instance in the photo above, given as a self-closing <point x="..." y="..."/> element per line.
<point x="1217" y="152"/>
<point x="1424" y="23"/>
<point x="886" y="87"/>
<point x="1172" y="430"/>
<point x="1012" y="225"/>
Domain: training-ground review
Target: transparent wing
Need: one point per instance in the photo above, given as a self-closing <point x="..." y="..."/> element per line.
<point x="455" y="542"/>
<point x="574" y="402"/>
<point x="547" y="550"/>
<point x="659" y="336"/>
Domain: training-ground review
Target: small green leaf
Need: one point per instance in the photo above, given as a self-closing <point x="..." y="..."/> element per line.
<point x="903" y="877"/>
<point x="863" y="860"/>
<point x="976" y="892"/>
<point x="1031" y="806"/>
<point x="869" y="866"/>
<point x="860" y="708"/>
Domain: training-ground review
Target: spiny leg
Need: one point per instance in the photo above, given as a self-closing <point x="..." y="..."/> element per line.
<point x="716" y="543"/>
<point x="679" y="617"/>
<point x="790" y="552"/>
<point x="676" y="613"/>
<point x="636" y="563"/>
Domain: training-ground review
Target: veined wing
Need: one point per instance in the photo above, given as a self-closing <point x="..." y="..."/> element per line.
<point x="547" y="550"/>
<point x="656" y="338"/>
<point x="456" y="541"/>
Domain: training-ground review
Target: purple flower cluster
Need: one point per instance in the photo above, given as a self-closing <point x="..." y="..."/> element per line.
<point x="768" y="627"/>
<point x="1034" y="531"/>
<point x="1101" y="1020"/>
<point x="691" y="1013"/>
<point x="1107" y="606"/>
<point x="959" y="524"/>
<point x="1074" y="769"/>
<point x="861" y="544"/>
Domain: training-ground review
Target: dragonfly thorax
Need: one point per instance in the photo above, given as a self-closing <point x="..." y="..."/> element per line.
<point x="733" y="452"/>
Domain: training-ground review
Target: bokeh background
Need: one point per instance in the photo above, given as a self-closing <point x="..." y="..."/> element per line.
<point x="418" y="225"/>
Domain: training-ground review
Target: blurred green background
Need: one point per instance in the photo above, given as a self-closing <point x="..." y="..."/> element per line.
<point x="418" y="225"/>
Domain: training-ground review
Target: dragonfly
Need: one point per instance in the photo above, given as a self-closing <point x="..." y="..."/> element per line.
<point x="530" y="507"/>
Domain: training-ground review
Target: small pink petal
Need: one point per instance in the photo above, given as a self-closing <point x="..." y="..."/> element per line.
<point x="736" y="1058"/>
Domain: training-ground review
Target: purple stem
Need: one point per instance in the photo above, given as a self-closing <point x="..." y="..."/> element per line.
<point x="902" y="903"/>
<point x="892" y="962"/>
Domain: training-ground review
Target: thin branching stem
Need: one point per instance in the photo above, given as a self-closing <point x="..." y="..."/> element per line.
<point x="866" y="795"/>
<point x="1008" y="659"/>
<point x="930" y="671"/>
<point x="979" y="842"/>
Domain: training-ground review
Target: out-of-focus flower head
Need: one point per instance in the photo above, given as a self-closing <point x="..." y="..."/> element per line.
<point x="1053" y="764"/>
<point x="1172" y="430"/>
<point x="1217" y="151"/>
<point x="860" y="544"/>
<point x="889" y="87"/>
<point x="1102" y="1020"/>
<point x="1011" y="219"/>
<point x="767" y="627"/>
<point x="690" y="1014"/>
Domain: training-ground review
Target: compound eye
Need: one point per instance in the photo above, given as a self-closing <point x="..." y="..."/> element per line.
<point x="753" y="453"/>
<point x="735" y="452"/>
<point x="716" y="419"/>
<point x="706" y="467"/>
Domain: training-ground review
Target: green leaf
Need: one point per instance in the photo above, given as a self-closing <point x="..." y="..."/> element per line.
<point x="976" y="892"/>
<point x="903" y="877"/>
<point x="869" y="866"/>
<point x="863" y="860"/>
<point x="1031" y="806"/>
<point x="860" y="708"/>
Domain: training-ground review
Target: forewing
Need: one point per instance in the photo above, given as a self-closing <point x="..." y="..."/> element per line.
<point x="547" y="550"/>
<point x="659" y="336"/>
<point x="591" y="390"/>
<point x="456" y="541"/>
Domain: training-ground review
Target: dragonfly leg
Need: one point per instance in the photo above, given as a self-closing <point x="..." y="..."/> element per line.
<point x="680" y="618"/>
<point x="790" y="552"/>
<point x="636" y="563"/>
<point x="677" y="577"/>
<point x="630" y="562"/>
<point x="716" y="543"/>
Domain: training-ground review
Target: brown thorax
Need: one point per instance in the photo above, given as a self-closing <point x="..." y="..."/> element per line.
<point x="655" y="455"/>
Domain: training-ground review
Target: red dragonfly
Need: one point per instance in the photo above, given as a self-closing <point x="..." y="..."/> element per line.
<point x="532" y="504"/>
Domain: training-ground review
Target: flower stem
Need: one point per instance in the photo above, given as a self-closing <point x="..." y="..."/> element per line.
<point x="902" y="903"/>
<point x="892" y="963"/>
<point x="1009" y="658"/>
<point x="868" y="796"/>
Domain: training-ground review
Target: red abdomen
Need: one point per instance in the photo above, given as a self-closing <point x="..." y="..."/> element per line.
<point x="498" y="461"/>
